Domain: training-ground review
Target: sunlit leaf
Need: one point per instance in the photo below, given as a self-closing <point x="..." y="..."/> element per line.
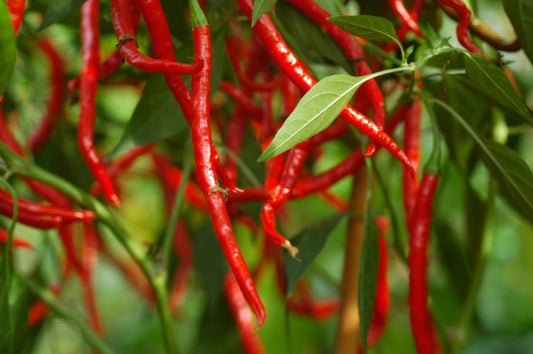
<point x="520" y="13"/>
<point x="490" y="80"/>
<point x="309" y="242"/>
<point x="8" y="48"/>
<point x="261" y="7"/>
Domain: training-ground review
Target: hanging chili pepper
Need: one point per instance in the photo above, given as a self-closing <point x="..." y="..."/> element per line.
<point x="205" y="170"/>
<point x="183" y="249"/>
<point x="88" y="82"/>
<point x="412" y="150"/>
<point x="414" y="12"/>
<point x="303" y="303"/>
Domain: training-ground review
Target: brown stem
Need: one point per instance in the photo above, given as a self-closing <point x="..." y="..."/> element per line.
<point x="483" y="31"/>
<point x="347" y="339"/>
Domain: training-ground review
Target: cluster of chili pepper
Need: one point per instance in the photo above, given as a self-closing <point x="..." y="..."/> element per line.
<point x="264" y="72"/>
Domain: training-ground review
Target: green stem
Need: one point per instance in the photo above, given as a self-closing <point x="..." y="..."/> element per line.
<point x="160" y="288"/>
<point x="21" y="167"/>
<point x="13" y="223"/>
<point x="87" y="333"/>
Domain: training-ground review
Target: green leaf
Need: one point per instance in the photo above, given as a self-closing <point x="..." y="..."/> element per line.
<point x="261" y="7"/>
<point x="317" y="109"/>
<point x="312" y="39"/>
<point x="157" y="116"/>
<point x="369" y="268"/>
<point x="58" y="10"/>
<point x="448" y="58"/>
<point x="520" y="13"/>
<point x="372" y="28"/>
<point x="8" y="51"/>
<point x="310" y="242"/>
<point x="506" y="167"/>
<point x="512" y="174"/>
<point x="490" y="80"/>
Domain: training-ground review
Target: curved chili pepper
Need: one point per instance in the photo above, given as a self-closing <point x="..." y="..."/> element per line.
<point x="56" y="99"/>
<point x="16" y="13"/>
<point x="303" y="303"/>
<point x="301" y="76"/>
<point x="426" y="338"/>
<point x="405" y="17"/>
<point x="414" y="12"/>
<point x="125" y="32"/>
<point x="241" y="97"/>
<point x="88" y="82"/>
<point x="206" y="172"/>
<point x="250" y="340"/>
<point x="464" y="22"/>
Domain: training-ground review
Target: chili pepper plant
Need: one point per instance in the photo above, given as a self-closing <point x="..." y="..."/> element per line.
<point x="292" y="176"/>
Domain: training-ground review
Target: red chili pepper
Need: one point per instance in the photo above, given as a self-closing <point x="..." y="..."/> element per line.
<point x="241" y="97"/>
<point x="303" y="303"/>
<point x="40" y="308"/>
<point x="88" y="82"/>
<point x="412" y="150"/>
<point x="204" y="156"/>
<point x="426" y="338"/>
<point x="16" y="13"/>
<point x="301" y="76"/>
<point x="414" y="11"/>
<point x="251" y="342"/>
<point x="17" y="242"/>
<point x="56" y="99"/>
<point x="405" y="17"/>
<point x="123" y="22"/>
<point x="464" y="22"/>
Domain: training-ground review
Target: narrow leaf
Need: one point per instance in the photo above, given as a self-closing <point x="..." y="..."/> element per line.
<point x="372" y="28"/>
<point x="317" y="110"/>
<point x="58" y="10"/>
<point x="491" y="81"/>
<point x="368" y="269"/>
<point x="309" y="242"/>
<point x="8" y="51"/>
<point x="520" y="13"/>
<point x="261" y="7"/>
<point x="506" y="167"/>
<point x="157" y="116"/>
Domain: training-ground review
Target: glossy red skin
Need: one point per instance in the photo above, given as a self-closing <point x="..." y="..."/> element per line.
<point x="414" y="12"/>
<point x="464" y="22"/>
<point x="16" y="13"/>
<point x="301" y="76"/>
<point x="412" y="150"/>
<point x="204" y="157"/>
<point x="88" y="85"/>
<point x="54" y="105"/>
<point x="426" y="338"/>
<point x="250" y="339"/>
<point x="123" y="22"/>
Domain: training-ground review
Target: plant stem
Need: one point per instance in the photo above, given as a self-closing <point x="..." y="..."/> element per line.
<point x="24" y="168"/>
<point x="91" y="337"/>
<point x="348" y="330"/>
